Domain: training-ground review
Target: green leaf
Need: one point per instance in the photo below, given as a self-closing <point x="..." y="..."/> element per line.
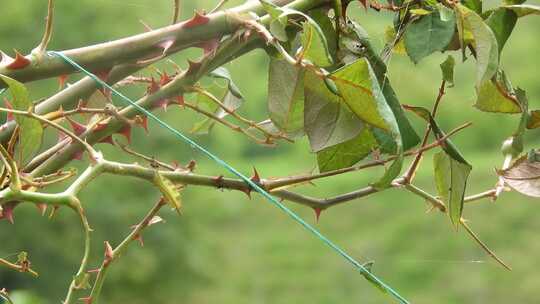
<point x="497" y="95"/>
<point x="398" y="47"/>
<point x="427" y="35"/>
<point x="475" y="5"/>
<point x="320" y="16"/>
<point x="355" y="36"/>
<point x="451" y="180"/>
<point x="451" y="169"/>
<point x="170" y="191"/>
<point x="511" y="2"/>
<point x="286" y="96"/>
<point x="31" y="131"/>
<point x="314" y="45"/>
<point x="360" y="90"/>
<point x="327" y="119"/>
<point x="484" y="42"/>
<point x="419" y="12"/>
<point x="524" y="9"/>
<point x="502" y="22"/>
<point x="447" y="69"/>
<point x="225" y="95"/>
<point x="224" y="73"/>
<point x="347" y="153"/>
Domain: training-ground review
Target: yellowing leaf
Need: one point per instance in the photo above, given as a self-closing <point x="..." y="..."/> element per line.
<point x="484" y="43"/>
<point x="170" y="191"/>
<point x="31" y="129"/>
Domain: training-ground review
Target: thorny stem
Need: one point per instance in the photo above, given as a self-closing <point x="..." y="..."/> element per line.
<point x="121" y="248"/>
<point x="48" y="29"/>
<point x="10" y="163"/>
<point x="301" y="179"/>
<point x="87" y="242"/>
<point x="17" y="267"/>
<point x="29" y="114"/>
<point x="146" y="45"/>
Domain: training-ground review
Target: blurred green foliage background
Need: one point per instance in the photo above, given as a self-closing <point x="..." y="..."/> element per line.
<point x="229" y="249"/>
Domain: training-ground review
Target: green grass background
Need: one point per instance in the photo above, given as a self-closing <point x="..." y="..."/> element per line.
<point x="230" y="249"/>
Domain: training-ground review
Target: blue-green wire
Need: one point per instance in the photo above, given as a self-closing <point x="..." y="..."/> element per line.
<point x="370" y="276"/>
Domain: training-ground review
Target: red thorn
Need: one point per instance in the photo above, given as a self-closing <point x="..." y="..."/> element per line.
<point x="7" y="211"/>
<point x="93" y="270"/>
<point x="219" y="181"/>
<point x="255" y="178"/>
<point x="164" y="79"/>
<point x="153" y="87"/>
<point x="78" y="128"/>
<point x="166" y="45"/>
<point x="209" y="46"/>
<point x="317" y="213"/>
<point x="61" y="136"/>
<point x="193" y="65"/>
<point x="53" y="212"/>
<point x="191" y="165"/>
<point x="42" y="208"/>
<point x="107" y="140"/>
<point x="142" y="121"/>
<point x="8" y="105"/>
<point x="77" y="155"/>
<point x="109" y="254"/>
<point x="86" y="300"/>
<point x="83" y="103"/>
<point x="126" y="132"/>
<point x="180" y="100"/>
<point x="100" y="126"/>
<point x="247" y="191"/>
<point x="138" y="237"/>
<point x="62" y="81"/>
<point x="198" y="19"/>
<point x="20" y="62"/>
<point x="103" y="75"/>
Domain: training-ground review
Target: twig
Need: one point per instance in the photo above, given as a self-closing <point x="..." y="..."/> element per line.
<point x="176" y="10"/>
<point x="409" y="175"/>
<point x="17" y="267"/>
<point x="226" y="123"/>
<point x="219" y="6"/>
<point x="304" y="178"/>
<point x="233" y="113"/>
<point x="430" y="198"/>
<point x="10" y="163"/>
<point x="84" y="262"/>
<point x="111" y="256"/>
<point x="486" y="194"/>
<point x="40" y="49"/>
<point x="484" y="246"/>
<point x="29" y="114"/>
<point x="149" y="159"/>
